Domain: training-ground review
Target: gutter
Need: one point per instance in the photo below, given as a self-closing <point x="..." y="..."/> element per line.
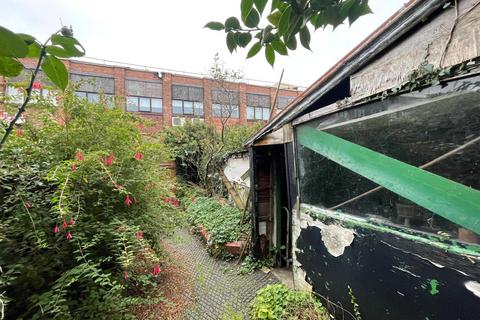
<point x="404" y="20"/>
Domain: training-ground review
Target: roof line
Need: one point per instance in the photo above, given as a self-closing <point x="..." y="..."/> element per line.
<point x="387" y="33"/>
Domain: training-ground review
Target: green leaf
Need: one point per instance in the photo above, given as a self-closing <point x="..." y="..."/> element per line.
<point x="291" y="43"/>
<point x="280" y="47"/>
<point x="358" y="10"/>
<point x="274" y="17"/>
<point x="243" y="39"/>
<point x="270" y="55"/>
<point x="27" y="38"/>
<point x="213" y="25"/>
<point x="245" y="7"/>
<point x="71" y="45"/>
<point x="231" y="42"/>
<point x="55" y="71"/>
<point x="346" y="7"/>
<point x="318" y="21"/>
<point x="232" y="23"/>
<point x="253" y="19"/>
<point x="57" y="51"/>
<point x="34" y="50"/>
<point x="305" y="38"/>
<point x="260" y="4"/>
<point x="254" y="50"/>
<point x="10" y="67"/>
<point x="12" y="45"/>
<point x="284" y="21"/>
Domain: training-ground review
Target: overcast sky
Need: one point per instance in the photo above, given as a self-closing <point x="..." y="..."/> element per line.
<point x="170" y="34"/>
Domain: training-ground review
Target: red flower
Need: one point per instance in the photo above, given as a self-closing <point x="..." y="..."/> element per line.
<point x="138" y="156"/>
<point x="37" y="86"/>
<point x="19" y="132"/>
<point x="108" y="161"/>
<point x="139" y="235"/>
<point x="74" y="167"/>
<point x="69" y="235"/>
<point x="79" y="155"/>
<point x="72" y="222"/>
<point x="156" y="270"/>
<point x="56" y="229"/>
<point x="128" y="202"/>
<point x="125" y="275"/>
<point x="27" y="205"/>
<point x="64" y="225"/>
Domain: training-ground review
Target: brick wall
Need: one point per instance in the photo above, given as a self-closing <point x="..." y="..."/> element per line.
<point x="120" y="74"/>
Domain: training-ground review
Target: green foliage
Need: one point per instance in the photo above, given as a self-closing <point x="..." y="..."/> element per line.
<point x="81" y="213"/>
<point x="277" y="302"/>
<point x="221" y="221"/>
<point x="200" y="152"/>
<point x="249" y="265"/>
<point x="287" y="20"/>
<point x="356" y="306"/>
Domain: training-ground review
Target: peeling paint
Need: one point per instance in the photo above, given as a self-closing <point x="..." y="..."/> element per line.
<point x="474" y="287"/>
<point x="406" y="271"/>
<point x="336" y="239"/>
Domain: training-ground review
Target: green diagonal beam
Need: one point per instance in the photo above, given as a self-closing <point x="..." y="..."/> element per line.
<point x="451" y="200"/>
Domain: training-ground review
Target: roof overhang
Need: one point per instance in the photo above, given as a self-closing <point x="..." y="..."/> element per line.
<point x="404" y="20"/>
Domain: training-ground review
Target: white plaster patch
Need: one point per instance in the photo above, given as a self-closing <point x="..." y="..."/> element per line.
<point x="336" y="239"/>
<point x="474" y="287"/>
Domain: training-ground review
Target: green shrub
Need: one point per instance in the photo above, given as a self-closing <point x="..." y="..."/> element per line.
<point x="277" y="302"/>
<point x="81" y="213"/>
<point x="221" y="221"/>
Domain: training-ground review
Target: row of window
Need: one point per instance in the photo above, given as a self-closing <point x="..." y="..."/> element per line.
<point x="144" y="104"/>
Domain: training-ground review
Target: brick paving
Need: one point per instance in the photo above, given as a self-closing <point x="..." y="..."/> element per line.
<point x="219" y="291"/>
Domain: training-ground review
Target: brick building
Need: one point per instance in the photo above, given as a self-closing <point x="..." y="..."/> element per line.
<point x="166" y="98"/>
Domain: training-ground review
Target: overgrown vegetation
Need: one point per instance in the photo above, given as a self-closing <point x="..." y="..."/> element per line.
<point x="277" y="302"/>
<point x="82" y="207"/>
<point x="200" y="152"/>
<point x="249" y="265"/>
<point x="221" y="221"/>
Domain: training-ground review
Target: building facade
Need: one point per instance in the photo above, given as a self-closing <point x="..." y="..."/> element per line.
<point x="168" y="99"/>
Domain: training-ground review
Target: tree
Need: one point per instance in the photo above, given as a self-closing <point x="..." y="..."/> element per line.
<point x="14" y="46"/>
<point x="226" y="101"/>
<point x="288" y="20"/>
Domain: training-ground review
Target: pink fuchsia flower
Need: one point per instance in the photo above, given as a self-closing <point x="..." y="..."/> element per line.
<point x="125" y="275"/>
<point x="37" y="86"/>
<point x="156" y="270"/>
<point x="56" y="229"/>
<point x="139" y="235"/>
<point x="69" y="235"/>
<point x="138" y="156"/>
<point x="128" y="202"/>
<point x="19" y="132"/>
<point x="74" y="167"/>
<point x="108" y="161"/>
<point x="64" y="225"/>
<point x="79" y="156"/>
<point x="72" y="222"/>
<point x="27" y="205"/>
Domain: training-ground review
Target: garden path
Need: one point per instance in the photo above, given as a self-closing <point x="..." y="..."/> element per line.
<point x="219" y="291"/>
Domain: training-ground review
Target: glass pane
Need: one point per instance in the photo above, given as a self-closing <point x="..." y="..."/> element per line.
<point x="198" y="108"/>
<point x="81" y="94"/>
<point x="266" y="114"/>
<point x="93" y="97"/>
<point x="177" y="106"/>
<point x="187" y="107"/>
<point x="132" y="104"/>
<point x="235" y="112"/>
<point x="258" y="113"/>
<point x="216" y="110"/>
<point x="250" y="113"/>
<point x="157" y="105"/>
<point x="145" y="104"/>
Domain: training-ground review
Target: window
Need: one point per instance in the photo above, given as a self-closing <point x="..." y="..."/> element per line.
<point x="225" y="103"/>
<point x="187" y="100"/>
<point x="414" y="129"/>
<point x="228" y="111"/>
<point x="258" y="107"/>
<point x="144" y="104"/>
<point x="283" y="101"/>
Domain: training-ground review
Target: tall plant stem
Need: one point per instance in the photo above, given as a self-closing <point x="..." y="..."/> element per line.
<point x="25" y="102"/>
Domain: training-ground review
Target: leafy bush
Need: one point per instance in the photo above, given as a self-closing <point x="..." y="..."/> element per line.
<point x="200" y="151"/>
<point x="221" y="221"/>
<point x="277" y="302"/>
<point x="249" y="265"/>
<point x="81" y="213"/>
